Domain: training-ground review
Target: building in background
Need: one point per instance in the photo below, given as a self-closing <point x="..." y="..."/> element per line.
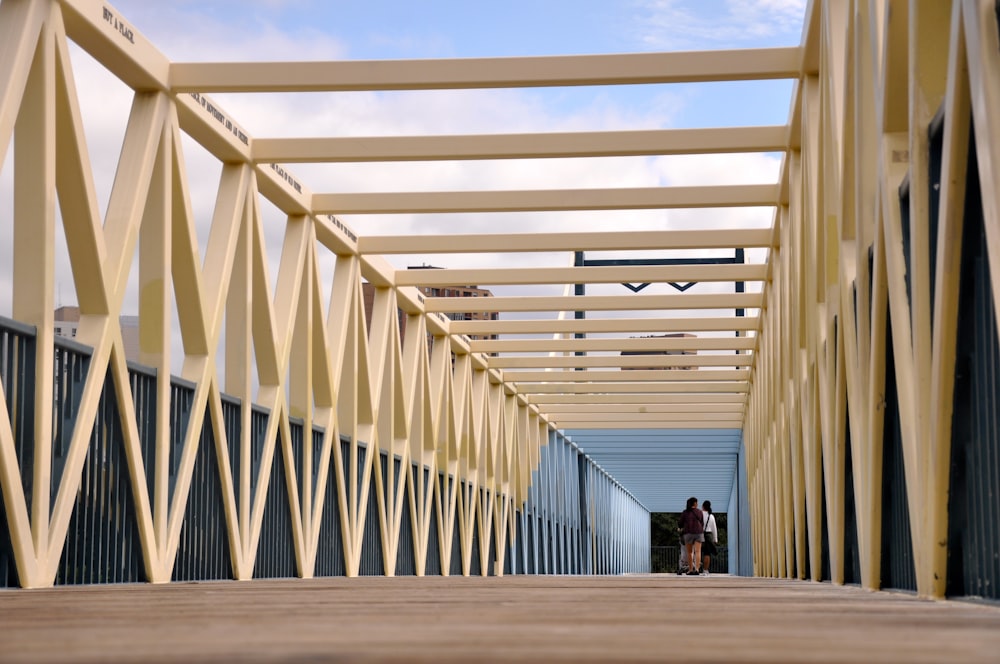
<point x="672" y="335"/>
<point x="477" y="312"/>
<point x="67" y="320"/>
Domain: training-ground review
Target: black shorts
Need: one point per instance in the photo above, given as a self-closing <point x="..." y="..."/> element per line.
<point x="708" y="548"/>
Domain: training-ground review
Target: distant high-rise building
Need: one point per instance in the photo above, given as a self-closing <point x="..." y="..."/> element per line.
<point x="672" y="335"/>
<point x="67" y="321"/>
<point x="368" y="293"/>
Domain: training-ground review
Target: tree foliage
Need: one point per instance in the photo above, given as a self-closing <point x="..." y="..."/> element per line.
<point x="664" y="527"/>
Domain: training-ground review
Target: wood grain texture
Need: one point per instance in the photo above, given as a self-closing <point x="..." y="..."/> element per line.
<point x="514" y="618"/>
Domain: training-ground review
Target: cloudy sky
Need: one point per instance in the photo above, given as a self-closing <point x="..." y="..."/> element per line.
<point x="220" y="30"/>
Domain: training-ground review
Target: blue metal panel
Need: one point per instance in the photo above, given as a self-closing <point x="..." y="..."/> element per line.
<point x="232" y="421"/>
<point x="455" y="568"/>
<point x="296" y="427"/>
<point x="405" y="553"/>
<point x="17" y="374"/>
<point x="330" y="550"/>
<point x="71" y="364"/>
<point x="204" y="552"/>
<point x="276" y="547"/>
<point x="662" y="468"/>
<point x="8" y="565"/>
<point x="433" y="565"/>
<point x="102" y="543"/>
<point x="475" y="565"/>
<point x="974" y="499"/>
<point x="740" y="545"/>
<point x="372" y="563"/>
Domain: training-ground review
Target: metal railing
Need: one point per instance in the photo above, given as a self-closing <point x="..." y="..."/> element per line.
<point x="666" y="560"/>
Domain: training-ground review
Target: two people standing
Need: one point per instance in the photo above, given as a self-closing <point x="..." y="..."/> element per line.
<point x="697" y="527"/>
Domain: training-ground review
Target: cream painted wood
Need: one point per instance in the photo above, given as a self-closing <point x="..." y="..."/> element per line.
<point x="606" y="325"/>
<point x="520" y="146"/>
<point x="650" y="344"/>
<point x="868" y="82"/>
<point x="546" y="200"/>
<point x="628" y="363"/>
<point x="34" y="253"/>
<point x="624" y="399"/>
<point x="619" y="69"/>
<point x="637" y="375"/>
<point x="536" y="242"/>
<point x="502" y="304"/>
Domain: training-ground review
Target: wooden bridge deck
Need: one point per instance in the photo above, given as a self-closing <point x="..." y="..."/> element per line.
<point x="520" y="618"/>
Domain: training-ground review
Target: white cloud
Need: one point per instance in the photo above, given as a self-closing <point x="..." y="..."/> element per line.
<point x="684" y="25"/>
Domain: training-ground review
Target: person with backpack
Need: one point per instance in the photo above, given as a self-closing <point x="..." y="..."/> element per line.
<point x="692" y="533"/>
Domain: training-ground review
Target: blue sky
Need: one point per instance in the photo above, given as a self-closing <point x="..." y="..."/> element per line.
<point x="388" y="29"/>
<point x="452" y="28"/>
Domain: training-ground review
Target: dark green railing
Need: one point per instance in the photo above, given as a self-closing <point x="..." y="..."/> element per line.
<point x="666" y="560"/>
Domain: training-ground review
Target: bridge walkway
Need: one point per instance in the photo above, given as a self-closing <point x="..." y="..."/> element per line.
<point x="511" y="618"/>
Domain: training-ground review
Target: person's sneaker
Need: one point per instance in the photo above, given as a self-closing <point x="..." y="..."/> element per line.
<point x="693" y="572"/>
<point x="705" y="572"/>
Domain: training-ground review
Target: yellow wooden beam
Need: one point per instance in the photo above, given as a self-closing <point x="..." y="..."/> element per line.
<point x="521" y="72"/>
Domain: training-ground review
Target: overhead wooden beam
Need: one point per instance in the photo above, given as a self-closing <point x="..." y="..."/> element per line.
<point x="647" y="344"/>
<point x="465" y="73"/>
<point x="646" y="424"/>
<point x="613" y="375"/>
<point x="735" y="387"/>
<point x="568" y="419"/>
<point x="521" y="146"/>
<point x="666" y="398"/>
<point x="596" y="302"/>
<point x="728" y="238"/>
<point x="551" y="409"/>
<point x="624" y="361"/>
<point x="610" y="325"/>
<point x="595" y="274"/>
<point x="532" y="200"/>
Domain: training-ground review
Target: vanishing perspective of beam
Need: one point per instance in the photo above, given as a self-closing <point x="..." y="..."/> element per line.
<point x="626" y="361"/>
<point x="637" y="375"/>
<point x="545" y="400"/>
<point x="521" y="146"/>
<point x="637" y="423"/>
<point x="581" y="275"/>
<point x="729" y="238"/>
<point x="734" y="419"/>
<point x="609" y="325"/>
<point x="647" y="344"/>
<point x="739" y="387"/>
<point x="465" y="73"/>
<point x="547" y="200"/>
<point x="596" y="302"/>
<point x="644" y="408"/>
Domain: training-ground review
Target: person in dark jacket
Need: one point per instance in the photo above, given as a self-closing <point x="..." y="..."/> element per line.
<point x="692" y="533"/>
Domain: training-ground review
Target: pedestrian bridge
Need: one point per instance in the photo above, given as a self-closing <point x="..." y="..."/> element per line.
<point x="255" y="386"/>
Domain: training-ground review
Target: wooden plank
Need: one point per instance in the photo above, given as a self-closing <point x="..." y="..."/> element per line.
<point x="595" y="241"/>
<point x="534" y="200"/>
<point x="520" y="146"/>
<point x="466" y="73"/>
<point x="512" y="618"/>
<point x="672" y="301"/>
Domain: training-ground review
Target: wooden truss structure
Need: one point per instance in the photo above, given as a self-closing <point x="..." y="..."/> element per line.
<point x="480" y="399"/>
